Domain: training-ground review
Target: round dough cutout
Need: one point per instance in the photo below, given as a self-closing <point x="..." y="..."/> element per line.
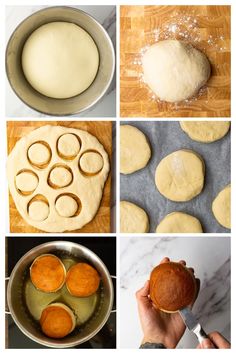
<point x="91" y="162"/>
<point x="135" y="150"/>
<point x="26" y="181"/>
<point x="221" y="207"/>
<point x="66" y="206"/>
<point x="68" y="146"/>
<point x="38" y="210"/>
<point x="60" y="60"/>
<point x="133" y="219"/>
<point x="178" y="222"/>
<point x="60" y="177"/>
<point x="175" y="70"/>
<point x="205" y="132"/>
<point x="180" y="175"/>
<point x="39" y="154"/>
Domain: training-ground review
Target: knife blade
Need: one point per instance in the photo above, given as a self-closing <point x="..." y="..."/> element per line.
<point x="192" y="324"/>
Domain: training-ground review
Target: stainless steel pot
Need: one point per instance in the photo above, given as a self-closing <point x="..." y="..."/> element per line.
<point x="52" y="106"/>
<point x="18" y="309"/>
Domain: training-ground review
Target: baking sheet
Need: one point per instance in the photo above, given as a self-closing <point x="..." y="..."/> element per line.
<point x="166" y="137"/>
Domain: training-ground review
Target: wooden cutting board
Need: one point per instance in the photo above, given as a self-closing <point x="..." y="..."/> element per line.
<point x="103" y="132"/>
<point x="137" y="28"/>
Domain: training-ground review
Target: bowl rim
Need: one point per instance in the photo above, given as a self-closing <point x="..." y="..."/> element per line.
<point x="105" y="88"/>
<point x="28" y="333"/>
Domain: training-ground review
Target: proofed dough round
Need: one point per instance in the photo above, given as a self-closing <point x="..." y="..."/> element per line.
<point x="178" y="222"/>
<point x="27" y="181"/>
<point x="38" y="210"/>
<point x="205" y="132"/>
<point x="60" y="60"/>
<point x="66" y="206"/>
<point x="91" y="162"/>
<point x="180" y="175"/>
<point x="135" y="151"/>
<point x="221" y="207"/>
<point x="175" y="70"/>
<point x="60" y="176"/>
<point x="38" y="154"/>
<point x="68" y="145"/>
<point x="133" y="219"/>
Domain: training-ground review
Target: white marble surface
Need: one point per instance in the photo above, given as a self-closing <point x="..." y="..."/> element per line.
<point x="106" y="107"/>
<point x="209" y="256"/>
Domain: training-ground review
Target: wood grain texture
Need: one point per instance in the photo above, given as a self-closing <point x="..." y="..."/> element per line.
<point x="137" y="24"/>
<point x="103" y="132"/>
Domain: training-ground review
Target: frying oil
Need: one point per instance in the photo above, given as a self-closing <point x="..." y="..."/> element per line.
<point x="83" y="307"/>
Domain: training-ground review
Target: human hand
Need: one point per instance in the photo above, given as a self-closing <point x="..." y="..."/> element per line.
<point x="215" y="340"/>
<point x="159" y="326"/>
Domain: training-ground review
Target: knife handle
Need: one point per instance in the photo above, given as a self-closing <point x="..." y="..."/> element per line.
<point x="200" y="333"/>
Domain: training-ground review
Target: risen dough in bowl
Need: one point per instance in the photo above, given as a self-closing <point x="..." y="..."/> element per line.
<point x="60" y="60"/>
<point x="175" y="70"/>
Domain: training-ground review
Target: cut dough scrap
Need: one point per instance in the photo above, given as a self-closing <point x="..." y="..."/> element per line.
<point x="133" y="219"/>
<point x="68" y="145"/>
<point x="38" y="154"/>
<point x="60" y="176"/>
<point x="205" y="132"/>
<point x="135" y="150"/>
<point x="26" y="181"/>
<point x="91" y="162"/>
<point x="175" y="70"/>
<point x="38" y="210"/>
<point x="221" y="207"/>
<point x="178" y="222"/>
<point x="87" y="191"/>
<point x="60" y="60"/>
<point x="180" y="175"/>
<point x="66" y="206"/>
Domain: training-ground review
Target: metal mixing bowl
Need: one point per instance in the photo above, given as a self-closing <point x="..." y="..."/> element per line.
<point x="53" y="106"/>
<point x="19" y="311"/>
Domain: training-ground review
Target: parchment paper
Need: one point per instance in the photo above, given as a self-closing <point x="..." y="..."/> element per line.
<point x="166" y="137"/>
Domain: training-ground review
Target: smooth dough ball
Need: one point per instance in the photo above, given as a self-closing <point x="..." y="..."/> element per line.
<point x="135" y="151"/>
<point x="221" y="207"/>
<point x="205" y="132"/>
<point x="26" y="181"/>
<point x="91" y="162"/>
<point x="60" y="176"/>
<point x="66" y="206"/>
<point x="175" y="70"/>
<point x="178" y="222"/>
<point x="38" y="210"/>
<point x="68" y="145"/>
<point x="39" y="154"/>
<point x="133" y="219"/>
<point x="60" y="60"/>
<point x="180" y="175"/>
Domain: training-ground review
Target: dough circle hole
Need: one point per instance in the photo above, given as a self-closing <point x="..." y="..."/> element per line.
<point x="60" y="176"/>
<point x="68" y="146"/>
<point x="26" y="181"/>
<point x="68" y="205"/>
<point x="91" y="163"/>
<point x="39" y="154"/>
<point x="38" y="208"/>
